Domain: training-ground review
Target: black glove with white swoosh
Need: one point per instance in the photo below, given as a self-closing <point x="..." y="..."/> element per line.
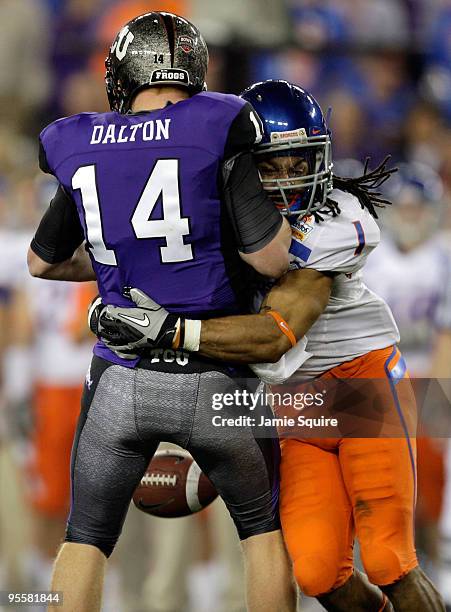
<point x="129" y="331"/>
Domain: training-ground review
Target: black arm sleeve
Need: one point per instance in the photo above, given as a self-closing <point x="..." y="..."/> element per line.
<point x="245" y="131"/>
<point x="254" y="217"/>
<point x="59" y="233"/>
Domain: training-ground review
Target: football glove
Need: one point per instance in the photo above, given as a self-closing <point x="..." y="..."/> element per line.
<point x="130" y="331"/>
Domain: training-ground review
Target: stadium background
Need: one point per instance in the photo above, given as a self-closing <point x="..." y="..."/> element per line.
<point x="385" y="69"/>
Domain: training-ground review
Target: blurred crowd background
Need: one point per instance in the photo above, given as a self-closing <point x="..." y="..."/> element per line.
<point x="384" y="68"/>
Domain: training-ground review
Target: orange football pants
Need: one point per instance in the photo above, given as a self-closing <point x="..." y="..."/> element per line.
<point x="55" y="412"/>
<point x="333" y="489"/>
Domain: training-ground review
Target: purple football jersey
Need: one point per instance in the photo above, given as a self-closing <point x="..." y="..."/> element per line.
<point x="146" y="190"/>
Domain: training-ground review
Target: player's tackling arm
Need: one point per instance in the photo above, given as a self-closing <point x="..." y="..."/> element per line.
<point x="300" y="297"/>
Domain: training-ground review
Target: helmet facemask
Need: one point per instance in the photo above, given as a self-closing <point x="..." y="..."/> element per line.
<point x="307" y="182"/>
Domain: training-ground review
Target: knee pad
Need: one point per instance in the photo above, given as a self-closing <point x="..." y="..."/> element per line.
<point x="316" y="575"/>
<point x="254" y="517"/>
<point x="382" y="564"/>
<point x="105" y="545"/>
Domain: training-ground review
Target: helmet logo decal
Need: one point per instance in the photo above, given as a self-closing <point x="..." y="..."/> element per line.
<point x="170" y="75"/>
<point x="291" y="135"/>
<point x="186" y="44"/>
<point x="122" y="42"/>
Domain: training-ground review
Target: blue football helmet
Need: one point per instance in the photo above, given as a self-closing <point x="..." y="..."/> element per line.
<point x="293" y="126"/>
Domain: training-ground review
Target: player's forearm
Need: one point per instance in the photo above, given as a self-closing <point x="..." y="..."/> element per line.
<point x="78" y="268"/>
<point x="300" y="298"/>
<point x="243" y="339"/>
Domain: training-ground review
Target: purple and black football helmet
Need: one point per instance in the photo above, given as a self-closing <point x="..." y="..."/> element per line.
<point x="293" y="125"/>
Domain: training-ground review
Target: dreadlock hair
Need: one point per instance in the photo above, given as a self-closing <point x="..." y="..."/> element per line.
<point x="362" y="187"/>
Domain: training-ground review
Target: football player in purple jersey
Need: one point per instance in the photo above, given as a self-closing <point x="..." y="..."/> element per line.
<point x="162" y="193"/>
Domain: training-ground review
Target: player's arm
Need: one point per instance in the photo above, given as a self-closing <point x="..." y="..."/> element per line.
<point x="262" y="235"/>
<point x="300" y="297"/>
<point x="57" y="251"/>
<point x="77" y="268"/>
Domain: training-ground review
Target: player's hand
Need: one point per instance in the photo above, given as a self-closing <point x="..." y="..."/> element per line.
<point x="129" y="331"/>
<point x="95" y="313"/>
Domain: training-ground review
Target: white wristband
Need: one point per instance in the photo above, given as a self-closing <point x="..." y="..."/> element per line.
<point x="192" y="335"/>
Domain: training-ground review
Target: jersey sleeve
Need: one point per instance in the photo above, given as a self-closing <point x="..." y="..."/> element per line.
<point x="49" y="144"/>
<point x="57" y="141"/>
<point x="60" y="232"/>
<point x="338" y="244"/>
<point x="254" y="217"/>
<point x="244" y="133"/>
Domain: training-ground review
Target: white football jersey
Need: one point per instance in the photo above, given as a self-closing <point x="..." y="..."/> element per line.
<point x="417" y="287"/>
<point x="356" y="320"/>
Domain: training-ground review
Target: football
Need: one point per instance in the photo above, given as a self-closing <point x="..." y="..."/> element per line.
<point x="173" y="486"/>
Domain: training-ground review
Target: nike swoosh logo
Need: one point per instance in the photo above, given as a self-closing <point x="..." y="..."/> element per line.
<point x="154" y="506"/>
<point x="284" y="326"/>
<point x="141" y="322"/>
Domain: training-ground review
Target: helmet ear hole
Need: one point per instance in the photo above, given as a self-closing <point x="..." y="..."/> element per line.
<point x="155" y="49"/>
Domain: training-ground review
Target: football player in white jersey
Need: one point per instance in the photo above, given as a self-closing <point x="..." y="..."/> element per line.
<point x="332" y="489"/>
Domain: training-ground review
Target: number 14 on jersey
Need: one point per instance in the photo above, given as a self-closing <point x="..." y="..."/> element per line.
<point x="164" y="181"/>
